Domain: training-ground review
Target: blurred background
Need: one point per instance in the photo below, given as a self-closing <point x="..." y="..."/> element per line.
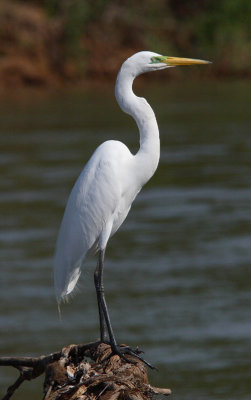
<point x="177" y="273"/>
<point x="49" y="42"/>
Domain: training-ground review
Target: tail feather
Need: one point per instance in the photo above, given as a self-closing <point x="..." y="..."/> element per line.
<point x="65" y="283"/>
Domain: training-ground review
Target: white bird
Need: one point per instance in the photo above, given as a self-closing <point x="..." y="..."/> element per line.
<point x="103" y="194"/>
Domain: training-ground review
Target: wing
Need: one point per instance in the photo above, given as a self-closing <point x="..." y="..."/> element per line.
<point x="91" y="204"/>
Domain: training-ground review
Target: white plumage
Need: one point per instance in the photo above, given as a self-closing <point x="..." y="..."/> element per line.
<point x="102" y="196"/>
<point x="97" y="206"/>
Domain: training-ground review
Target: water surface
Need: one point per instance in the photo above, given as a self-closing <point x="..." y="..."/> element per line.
<point x="177" y="275"/>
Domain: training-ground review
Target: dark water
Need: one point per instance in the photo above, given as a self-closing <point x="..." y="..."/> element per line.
<point x="178" y="274"/>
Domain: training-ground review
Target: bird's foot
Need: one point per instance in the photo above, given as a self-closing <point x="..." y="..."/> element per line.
<point x="123" y="350"/>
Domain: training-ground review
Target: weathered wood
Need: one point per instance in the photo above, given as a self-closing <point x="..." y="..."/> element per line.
<point x="85" y="372"/>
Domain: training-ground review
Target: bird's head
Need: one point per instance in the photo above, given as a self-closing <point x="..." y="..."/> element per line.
<point x="146" y="61"/>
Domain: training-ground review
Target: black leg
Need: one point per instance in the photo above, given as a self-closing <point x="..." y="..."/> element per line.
<point x="104" y="319"/>
<point x="99" y="287"/>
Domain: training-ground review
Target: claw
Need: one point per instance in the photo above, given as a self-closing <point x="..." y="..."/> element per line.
<point x="136" y="353"/>
<point x="122" y="350"/>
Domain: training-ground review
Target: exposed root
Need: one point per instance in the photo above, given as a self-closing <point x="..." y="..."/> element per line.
<point x="86" y="372"/>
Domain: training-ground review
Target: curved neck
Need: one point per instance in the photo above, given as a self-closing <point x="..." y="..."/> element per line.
<point x="148" y="155"/>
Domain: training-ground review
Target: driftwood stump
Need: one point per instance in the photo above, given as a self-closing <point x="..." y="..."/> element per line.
<point x="85" y="372"/>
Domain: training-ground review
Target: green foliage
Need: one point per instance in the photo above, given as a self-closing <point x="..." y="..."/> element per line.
<point x="224" y="31"/>
<point x="217" y="29"/>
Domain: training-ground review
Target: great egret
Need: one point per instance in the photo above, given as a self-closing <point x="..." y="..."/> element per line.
<point x="103" y="194"/>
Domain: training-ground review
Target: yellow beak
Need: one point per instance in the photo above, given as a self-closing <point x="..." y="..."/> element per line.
<point x="183" y="61"/>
